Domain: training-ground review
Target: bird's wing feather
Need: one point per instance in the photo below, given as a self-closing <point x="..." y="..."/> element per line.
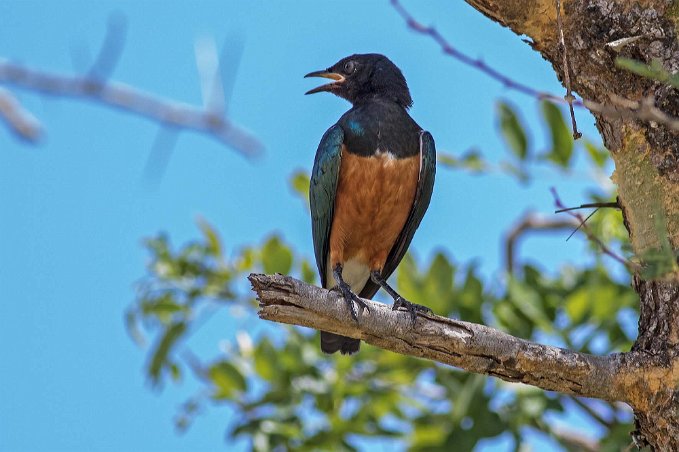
<point x="322" y="190"/>
<point x="425" y="186"/>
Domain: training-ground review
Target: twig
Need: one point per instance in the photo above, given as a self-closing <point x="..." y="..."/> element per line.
<point x="478" y="64"/>
<point x="575" y="441"/>
<point x="131" y="100"/>
<point x="582" y="223"/>
<point x="567" y="78"/>
<point x="19" y="120"/>
<point x="588" y="205"/>
<point x="112" y="47"/>
<point x="530" y="222"/>
<point x="630" y="265"/>
<point x="644" y="110"/>
<point x="592" y="412"/>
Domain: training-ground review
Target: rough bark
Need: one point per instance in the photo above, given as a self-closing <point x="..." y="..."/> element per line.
<point x="646" y="157"/>
<point x="636" y="377"/>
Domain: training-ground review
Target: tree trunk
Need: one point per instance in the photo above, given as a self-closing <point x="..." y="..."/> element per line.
<point x="646" y="157"/>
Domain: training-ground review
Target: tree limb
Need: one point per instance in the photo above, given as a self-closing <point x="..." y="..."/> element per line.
<point x="472" y="347"/>
<point x="129" y="99"/>
<point x="18" y="119"/>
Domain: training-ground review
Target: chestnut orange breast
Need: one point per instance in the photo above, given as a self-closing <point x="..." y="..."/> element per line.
<point x="374" y="197"/>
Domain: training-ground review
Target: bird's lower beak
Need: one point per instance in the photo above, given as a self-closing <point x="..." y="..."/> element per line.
<point x="339" y="78"/>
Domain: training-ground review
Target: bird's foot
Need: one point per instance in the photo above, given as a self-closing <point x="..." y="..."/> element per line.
<point x="351" y="298"/>
<point x="412" y="308"/>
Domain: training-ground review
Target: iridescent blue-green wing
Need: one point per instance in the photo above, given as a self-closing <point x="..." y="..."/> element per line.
<point x="425" y="186"/>
<point x="322" y="192"/>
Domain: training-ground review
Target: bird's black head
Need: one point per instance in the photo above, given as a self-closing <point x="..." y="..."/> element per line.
<point x="363" y="77"/>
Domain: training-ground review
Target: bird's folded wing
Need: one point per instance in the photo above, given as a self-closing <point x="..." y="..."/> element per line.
<point x="322" y="191"/>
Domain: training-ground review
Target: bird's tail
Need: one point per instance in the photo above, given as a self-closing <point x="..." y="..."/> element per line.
<point x="331" y="342"/>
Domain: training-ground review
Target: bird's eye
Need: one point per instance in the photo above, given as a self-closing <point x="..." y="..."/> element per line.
<point x="349" y="67"/>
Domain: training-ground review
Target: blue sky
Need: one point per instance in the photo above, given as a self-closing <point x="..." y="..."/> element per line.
<point x="74" y="209"/>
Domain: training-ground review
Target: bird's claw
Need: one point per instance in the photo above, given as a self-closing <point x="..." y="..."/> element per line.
<point x="412" y="308"/>
<point x="352" y="298"/>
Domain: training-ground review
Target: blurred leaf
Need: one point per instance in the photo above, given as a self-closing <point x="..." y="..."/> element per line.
<point x="599" y="155"/>
<point x="513" y="170"/>
<point x="512" y="130"/>
<point x="562" y="141"/>
<point x="264" y="358"/>
<point x="428" y="435"/>
<point x="529" y="302"/>
<point x="162" y="307"/>
<point x="227" y="379"/>
<point x="175" y="372"/>
<point x="308" y="272"/>
<point x="276" y="257"/>
<point x="159" y="357"/>
<point x="299" y="181"/>
<point x="654" y="70"/>
<point x="471" y="160"/>
<point x="214" y="246"/>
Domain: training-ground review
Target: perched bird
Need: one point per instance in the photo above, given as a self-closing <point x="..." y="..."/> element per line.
<point x="371" y="184"/>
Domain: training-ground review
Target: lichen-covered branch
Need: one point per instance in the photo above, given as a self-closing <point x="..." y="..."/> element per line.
<point x="626" y="377"/>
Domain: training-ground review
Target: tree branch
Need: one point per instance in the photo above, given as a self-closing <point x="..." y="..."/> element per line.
<point x="472" y="347"/>
<point x="18" y="119"/>
<point x="528" y="223"/>
<point x="131" y="100"/>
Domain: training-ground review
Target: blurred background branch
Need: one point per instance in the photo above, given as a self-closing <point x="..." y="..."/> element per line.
<point x="94" y="85"/>
<point x="529" y="224"/>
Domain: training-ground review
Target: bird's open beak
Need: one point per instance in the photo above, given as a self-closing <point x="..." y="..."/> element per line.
<point x="339" y="78"/>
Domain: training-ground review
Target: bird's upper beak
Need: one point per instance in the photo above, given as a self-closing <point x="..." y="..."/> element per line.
<point x="326" y="73"/>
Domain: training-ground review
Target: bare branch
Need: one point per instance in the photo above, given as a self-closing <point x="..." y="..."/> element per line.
<point x="476" y="63"/>
<point x="131" y="100"/>
<point x="112" y="47"/>
<point x="20" y="121"/>
<point x="621" y="108"/>
<point x="528" y="223"/>
<point x="631" y="266"/>
<point x="567" y="76"/>
<point x="472" y="347"/>
<point x="645" y="110"/>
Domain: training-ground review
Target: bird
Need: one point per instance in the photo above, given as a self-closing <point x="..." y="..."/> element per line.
<point x="370" y="186"/>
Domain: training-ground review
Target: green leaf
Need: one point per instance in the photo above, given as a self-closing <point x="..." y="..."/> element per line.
<point x="513" y="170"/>
<point x="264" y="357"/>
<point x="175" y="372"/>
<point x="562" y="140"/>
<point x="159" y="359"/>
<point x="654" y="70"/>
<point x="299" y="181"/>
<point x="214" y="246"/>
<point x="598" y="155"/>
<point x="162" y="307"/>
<point x="427" y="434"/>
<point x="227" y="379"/>
<point x="512" y="130"/>
<point x="528" y="301"/>
<point x="447" y="159"/>
<point x="439" y="284"/>
<point x="276" y="257"/>
<point x="471" y="160"/>
<point x="308" y="272"/>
